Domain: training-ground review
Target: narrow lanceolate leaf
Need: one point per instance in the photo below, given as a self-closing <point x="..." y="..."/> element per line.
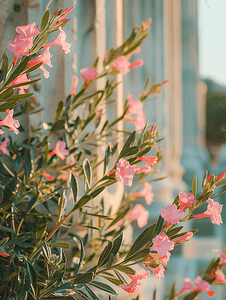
<point x="107" y="157"/>
<point x="103" y="286"/>
<point x="172" y="292"/>
<point x="116" y="244"/>
<point x="26" y="288"/>
<point x="194" y="186"/>
<point x="41" y="229"/>
<point x="6" y="94"/>
<point x="158" y="226"/>
<point x="3" y="241"/>
<point x="18" y="70"/>
<point x="28" y="164"/>
<point x="128" y="143"/>
<point x="62" y="202"/>
<point x="82" y="256"/>
<point x="87" y="172"/>
<point x="119" y="216"/>
<point x="125" y="269"/>
<point x="4" y="68"/>
<point x="192" y="296"/>
<point x="138" y="255"/>
<point x="84" y="278"/>
<point x="31" y="274"/>
<point x="142" y="240"/>
<point x="74" y="188"/>
<point x="85" y="199"/>
<point x="45" y="20"/>
<point x="174" y="231"/>
<point x="105" y="254"/>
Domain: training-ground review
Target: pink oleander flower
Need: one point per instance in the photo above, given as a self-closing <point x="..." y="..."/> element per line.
<point x="164" y="258"/>
<point x="146" y="193"/>
<point x="151" y="160"/>
<point x="28" y="31"/>
<point x="60" y="150"/>
<point x="47" y="176"/>
<point x="71" y="163"/>
<point x="20" y="46"/>
<point x="3" y="146"/>
<point x="172" y="214"/>
<point x="187" y="286"/>
<point x="222" y="256"/>
<point x="124" y="172"/>
<point x="45" y="59"/>
<point x="136" y="64"/>
<point x="88" y="74"/>
<point x="121" y="64"/>
<point x="135" y="106"/>
<point x="134" y="285"/>
<point x="162" y="244"/>
<point x="220" y="277"/>
<point x="182" y="238"/>
<point x="21" y="79"/>
<point x="141" y="169"/>
<point x="186" y="200"/>
<point x="139" y="121"/>
<point x="158" y="272"/>
<point x="213" y="212"/>
<point x="60" y="41"/>
<point x="202" y="285"/>
<point x="8" y="121"/>
<point x="4" y="254"/>
<point x="221" y="176"/>
<point x="140" y="214"/>
<point x="74" y="85"/>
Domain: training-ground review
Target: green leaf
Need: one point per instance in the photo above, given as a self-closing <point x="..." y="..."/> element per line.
<point x="84" y="278"/>
<point x="154" y="294"/>
<point x="117" y="244"/>
<point x="120" y="216"/>
<point x="130" y="151"/>
<point x="130" y="140"/>
<point x="4" y="241"/>
<point x="125" y="269"/>
<point x="158" y="227"/>
<point x="105" y="254"/>
<point x="138" y="255"/>
<point x="62" y="201"/>
<point x="28" y="164"/>
<point x="87" y="172"/>
<point x="91" y="293"/>
<point x="172" y="292"/>
<point x="24" y="83"/>
<point x="32" y="202"/>
<point x="33" y="68"/>
<point x="103" y="286"/>
<point x="194" y="186"/>
<point x="96" y="192"/>
<point x="45" y="20"/>
<point x="85" y="199"/>
<point x="204" y="178"/>
<point x="7" y="93"/>
<point x="82" y="256"/>
<point x="107" y="157"/>
<point x="80" y="93"/>
<point x="65" y="245"/>
<point x="32" y="274"/>
<point x="26" y="288"/>
<point x="142" y="240"/>
<point x="74" y="187"/>
<point x="174" y="231"/>
<point x="41" y="229"/>
<point x="104" y="126"/>
<point x="112" y="280"/>
<point x="20" y="68"/>
<point x="59" y="109"/>
<point x="192" y="295"/>
<point x="20" y="239"/>
<point x="4" y="68"/>
<point x="58" y="125"/>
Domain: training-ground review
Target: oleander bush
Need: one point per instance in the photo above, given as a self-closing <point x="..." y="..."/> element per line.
<point x="59" y="236"/>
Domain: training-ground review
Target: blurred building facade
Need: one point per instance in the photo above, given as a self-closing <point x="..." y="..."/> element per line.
<point x="169" y="53"/>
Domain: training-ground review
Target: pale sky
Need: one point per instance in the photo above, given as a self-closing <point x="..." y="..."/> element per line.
<point x="212" y="39"/>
